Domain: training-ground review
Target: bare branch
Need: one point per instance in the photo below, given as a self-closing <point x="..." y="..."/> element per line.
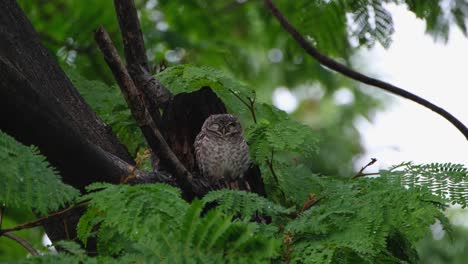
<point x="134" y="45"/>
<point x="41" y="220"/>
<point x="360" y="173"/>
<point x="336" y="66"/>
<point x="23" y="243"/>
<point x="151" y="90"/>
<point x="139" y="111"/>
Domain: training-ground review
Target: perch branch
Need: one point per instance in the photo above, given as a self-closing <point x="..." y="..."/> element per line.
<point x="126" y="172"/>
<point x="23" y="243"/>
<point x="137" y="106"/>
<point x="360" y="173"/>
<point x="153" y="93"/>
<point x="336" y="66"/>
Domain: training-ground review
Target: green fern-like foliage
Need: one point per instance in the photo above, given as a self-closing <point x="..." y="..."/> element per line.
<point x="372" y="22"/>
<point x="153" y="221"/>
<point x="28" y="180"/>
<point x="364" y="221"/>
<point x="446" y="180"/>
<point x="189" y="78"/>
<point x="276" y="141"/>
<point x="305" y="218"/>
<point x="159" y="203"/>
<point x="274" y="138"/>
<point x="245" y="205"/>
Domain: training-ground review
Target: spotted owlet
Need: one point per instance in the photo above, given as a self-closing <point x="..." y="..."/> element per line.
<point x="221" y="151"/>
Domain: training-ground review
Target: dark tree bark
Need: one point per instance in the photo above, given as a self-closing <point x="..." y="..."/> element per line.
<point x="153" y="93"/>
<point x="40" y="106"/>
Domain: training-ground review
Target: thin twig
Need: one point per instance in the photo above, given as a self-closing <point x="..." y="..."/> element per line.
<point x="252" y="109"/>
<point x="153" y="136"/>
<point x="2" y="210"/>
<point x="41" y="220"/>
<point x="238" y="97"/>
<point x="334" y="65"/>
<point x="270" y="165"/>
<point x="360" y="172"/>
<point x="23" y="243"/>
<point x="287" y="241"/>
<point x="273" y="173"/>
<point x="249" y="105"/>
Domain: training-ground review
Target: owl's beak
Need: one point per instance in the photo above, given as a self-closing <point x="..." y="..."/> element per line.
<point x="223" y="130"/>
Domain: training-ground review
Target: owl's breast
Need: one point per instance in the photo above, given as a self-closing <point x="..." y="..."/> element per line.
<point x="223" y="159"/>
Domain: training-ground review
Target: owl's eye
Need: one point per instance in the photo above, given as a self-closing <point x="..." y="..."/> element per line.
<point x="214" y="127"/>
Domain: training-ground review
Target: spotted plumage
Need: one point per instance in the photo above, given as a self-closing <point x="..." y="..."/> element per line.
<point x="221" y="151"/>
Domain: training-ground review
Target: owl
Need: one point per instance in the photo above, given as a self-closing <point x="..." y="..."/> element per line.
<point x="221" y="151"/>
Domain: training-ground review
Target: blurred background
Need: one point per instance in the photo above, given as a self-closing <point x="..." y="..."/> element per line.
<point x="418" y="45"/>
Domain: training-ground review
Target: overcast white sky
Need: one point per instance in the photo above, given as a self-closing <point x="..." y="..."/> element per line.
<point x="436" y="71"/>
<point x="407" y="131"/>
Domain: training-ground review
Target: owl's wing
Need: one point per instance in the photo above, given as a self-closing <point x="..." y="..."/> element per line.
<point x="198" y="149"/>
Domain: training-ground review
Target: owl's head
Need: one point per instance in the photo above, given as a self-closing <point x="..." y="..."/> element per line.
<point x="223" y="125"/>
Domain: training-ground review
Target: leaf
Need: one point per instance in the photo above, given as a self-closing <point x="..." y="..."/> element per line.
<point x="189" y="78"/>
<point x="359" y="220"/>
<point x="244" y="204"/>
<point x="157" y="224"/>
<point x="446" y="180"/>
<point x="28" y="180"/>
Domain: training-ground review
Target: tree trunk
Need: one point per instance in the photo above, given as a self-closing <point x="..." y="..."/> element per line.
<point x="40" y="106"/>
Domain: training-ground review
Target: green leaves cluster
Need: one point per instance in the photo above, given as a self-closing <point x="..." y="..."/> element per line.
<point x="189" y="78"/>
<point x="28" y="181"/>
<point x="364" y="221"/>
<point x="305" y="218"/>
<point x="368" y="220"/>
<point x="153" y="223"/>
<point x="275" y="140"/>
<point x="446" y="180"/>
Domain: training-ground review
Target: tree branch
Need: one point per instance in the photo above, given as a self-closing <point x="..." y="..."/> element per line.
<point x="139" y="111"/>
<point x="153" y="93"/>
<point x="134" y="45"/>
<point x="360" y="173"/>
<point x="23" y="243"/>
<point x="336" y="66"/>
<point x="40" y="221"/>
<point x="126" y="172"/>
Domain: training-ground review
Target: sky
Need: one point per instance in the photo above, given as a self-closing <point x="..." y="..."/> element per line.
<point x="435" y="71"/>
<point x="406" y="131"/>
